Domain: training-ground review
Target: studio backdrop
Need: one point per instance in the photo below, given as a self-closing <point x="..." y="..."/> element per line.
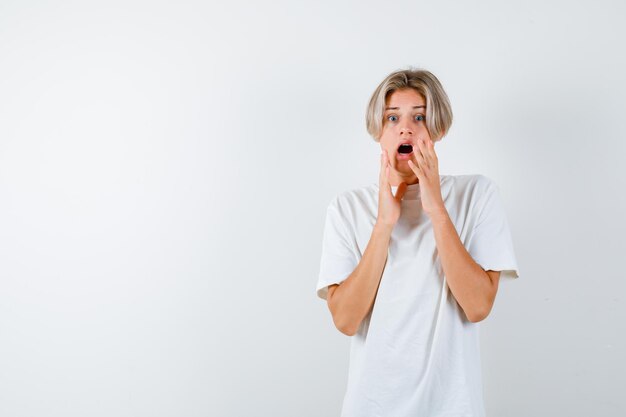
<point x="165" y="169"/>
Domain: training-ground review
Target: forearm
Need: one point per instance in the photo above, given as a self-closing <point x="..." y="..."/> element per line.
<point x="468" y="282"/>
<point x="352" y="300"/>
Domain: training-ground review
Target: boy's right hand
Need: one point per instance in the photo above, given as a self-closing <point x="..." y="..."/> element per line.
<point x="389" y="206"/>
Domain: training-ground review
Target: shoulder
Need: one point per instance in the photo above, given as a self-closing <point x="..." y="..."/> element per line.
<point x="474" y="184"/>
<point x="354" y="196"/>
<point x="354" y="201"/>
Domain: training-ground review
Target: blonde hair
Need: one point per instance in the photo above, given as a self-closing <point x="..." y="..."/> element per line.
<point x="438" y="109"/>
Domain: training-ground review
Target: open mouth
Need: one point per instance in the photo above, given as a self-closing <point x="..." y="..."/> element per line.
<point x="405" y="148"/>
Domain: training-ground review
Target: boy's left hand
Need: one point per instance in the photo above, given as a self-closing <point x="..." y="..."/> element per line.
<point x="426" y="167"/>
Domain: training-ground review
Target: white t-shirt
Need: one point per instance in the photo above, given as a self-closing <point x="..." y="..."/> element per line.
<point x="416" y="353"/>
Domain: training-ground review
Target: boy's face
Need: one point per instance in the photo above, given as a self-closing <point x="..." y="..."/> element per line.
<point x="404" y="121"/>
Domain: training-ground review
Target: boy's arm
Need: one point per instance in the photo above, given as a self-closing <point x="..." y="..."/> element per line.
<point x="350" y="301"/>
<point x="473" y="288"/>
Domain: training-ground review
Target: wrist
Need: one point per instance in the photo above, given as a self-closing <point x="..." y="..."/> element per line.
<point x="439" y="215"/>
<point x="383" y="226"/>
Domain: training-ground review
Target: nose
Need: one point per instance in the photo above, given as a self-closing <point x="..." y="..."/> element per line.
<point x="405" y="128"/>
<point x="405" y="131"/>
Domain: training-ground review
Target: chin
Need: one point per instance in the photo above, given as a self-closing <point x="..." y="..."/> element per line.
<point x="403" y="167"/>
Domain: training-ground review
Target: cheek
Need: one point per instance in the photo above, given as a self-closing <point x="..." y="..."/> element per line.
<point x="384" y="142"/>
<point x="424" y="130"/>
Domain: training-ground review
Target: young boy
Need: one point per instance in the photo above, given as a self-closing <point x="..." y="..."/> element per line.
<point x="411" y="265"/>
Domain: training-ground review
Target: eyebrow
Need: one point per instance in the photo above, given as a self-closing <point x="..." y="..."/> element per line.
<point x="396" y="108"/>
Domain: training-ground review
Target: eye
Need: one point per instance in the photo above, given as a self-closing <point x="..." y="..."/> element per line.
<point x="419" y="117"/>
<point x="390" y="118"/>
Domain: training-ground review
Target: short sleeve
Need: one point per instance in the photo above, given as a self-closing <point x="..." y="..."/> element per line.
<point x="491" y="244"/>
<point x="338" y="259"/>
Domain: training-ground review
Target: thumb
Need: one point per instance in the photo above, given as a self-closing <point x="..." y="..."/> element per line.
<point x="400" y="191"/>
<point x="386" y="186"/>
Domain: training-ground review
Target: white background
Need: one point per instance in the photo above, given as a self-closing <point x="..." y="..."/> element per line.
<point x="165" y="169"/>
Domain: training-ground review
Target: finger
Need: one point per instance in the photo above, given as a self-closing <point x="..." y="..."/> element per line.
<point x="431" y="145"/>
<point x="387" y="181"/>
<point x="383" y="169"/>
<point x="415" y="168"/>
<point x="423" y="152"/>
<point x="384" y="173"/>
<point x="382" y="164"/>
<point x="420" y="159"/>
<point x="400" y="191"/>
<point x="433" y="153"/>
<point x="428" y="150"/>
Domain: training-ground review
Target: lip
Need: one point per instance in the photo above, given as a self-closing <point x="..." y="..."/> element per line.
<point x="404" y="156"/>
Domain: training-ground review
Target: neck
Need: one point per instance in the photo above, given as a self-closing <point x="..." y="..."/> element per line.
<point x="395" y="182"/>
